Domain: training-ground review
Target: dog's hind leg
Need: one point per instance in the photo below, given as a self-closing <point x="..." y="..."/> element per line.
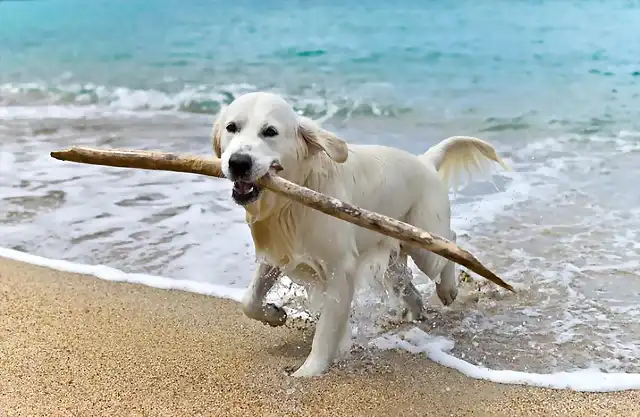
<point x="253" y="302"/>
<point x="433" y="265"/>
<point x="399" y="279"/>
<point x="447" y="288"/>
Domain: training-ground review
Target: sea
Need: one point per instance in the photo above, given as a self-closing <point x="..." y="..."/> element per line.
<point x="553" y="85"/>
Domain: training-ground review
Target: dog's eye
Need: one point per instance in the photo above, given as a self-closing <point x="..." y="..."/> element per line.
<point x="269" y="132"/>
<point x="232" y="127"/>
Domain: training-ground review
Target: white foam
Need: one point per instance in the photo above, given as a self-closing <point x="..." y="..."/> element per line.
<point x="518" y="190"/>
<point x="111" y="274"/>
<point x="7" y="161"/>
<point x="438" y="348"/>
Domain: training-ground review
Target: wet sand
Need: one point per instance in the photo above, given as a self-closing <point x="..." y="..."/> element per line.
<point x="73" y="345"/>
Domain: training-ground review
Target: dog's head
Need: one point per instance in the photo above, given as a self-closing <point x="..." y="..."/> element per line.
<point x="259" y="132"/>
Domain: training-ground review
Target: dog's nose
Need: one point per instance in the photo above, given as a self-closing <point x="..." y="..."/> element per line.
<point x="240" y="165"/>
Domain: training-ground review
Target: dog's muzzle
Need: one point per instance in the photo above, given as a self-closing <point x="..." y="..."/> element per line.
<point x="245" y="189"/>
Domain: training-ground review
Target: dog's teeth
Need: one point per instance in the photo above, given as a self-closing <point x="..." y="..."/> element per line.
<point x="250" y="189"/>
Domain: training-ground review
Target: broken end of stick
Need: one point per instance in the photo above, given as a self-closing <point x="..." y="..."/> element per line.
<point x="69" y="154"/>
<point x="59" y="154"/>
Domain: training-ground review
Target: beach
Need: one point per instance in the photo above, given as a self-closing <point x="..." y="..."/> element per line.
<point x="75" y="345"/>
<point x="154" y="326"/>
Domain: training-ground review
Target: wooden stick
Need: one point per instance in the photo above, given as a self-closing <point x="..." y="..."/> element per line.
<point x="125" y="158"/>
<point x="326" y="204"/>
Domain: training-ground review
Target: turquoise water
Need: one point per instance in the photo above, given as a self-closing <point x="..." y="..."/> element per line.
<point x="555" y="85"/>
<point x="496" y="65"/>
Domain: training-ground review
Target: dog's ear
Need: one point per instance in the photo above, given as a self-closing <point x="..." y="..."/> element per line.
<point x="216" y="134"/>
<point x="318" y="138"/>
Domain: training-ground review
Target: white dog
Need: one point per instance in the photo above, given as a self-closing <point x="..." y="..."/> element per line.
<point x="259" y="132"/>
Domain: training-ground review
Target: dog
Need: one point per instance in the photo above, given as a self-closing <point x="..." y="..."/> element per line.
<point x="260" y="132"/>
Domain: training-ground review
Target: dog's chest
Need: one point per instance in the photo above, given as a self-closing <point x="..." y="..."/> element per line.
<point x="276" y="239"/>
<point x="285" y="241"/>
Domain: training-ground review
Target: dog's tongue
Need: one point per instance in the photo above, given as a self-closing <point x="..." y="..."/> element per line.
<point x="242" y="187"/>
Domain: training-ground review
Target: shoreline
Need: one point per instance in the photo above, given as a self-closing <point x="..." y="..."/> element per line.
<point x="73" y="344"/>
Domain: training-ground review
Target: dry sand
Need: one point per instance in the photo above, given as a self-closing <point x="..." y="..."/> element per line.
<point x="72" y="345"/>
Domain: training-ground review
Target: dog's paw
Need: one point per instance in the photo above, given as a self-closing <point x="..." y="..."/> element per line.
<point x="447" y="293"/>
<point x="310" y="369"/>
<point x="274" y="316"/>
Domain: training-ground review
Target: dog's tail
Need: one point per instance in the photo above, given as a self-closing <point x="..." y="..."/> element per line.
<point x="462" y="154"/>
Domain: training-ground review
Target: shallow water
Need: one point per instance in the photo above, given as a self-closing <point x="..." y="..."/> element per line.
<point x="556" y="94"/>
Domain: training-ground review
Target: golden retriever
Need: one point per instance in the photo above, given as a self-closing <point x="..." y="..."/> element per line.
<point x="259" y="132"/>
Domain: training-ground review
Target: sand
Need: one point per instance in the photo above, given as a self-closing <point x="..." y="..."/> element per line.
<point x="73" y="345"/>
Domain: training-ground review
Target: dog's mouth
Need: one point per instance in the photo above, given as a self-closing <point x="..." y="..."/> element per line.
<point x="245" y="192"/>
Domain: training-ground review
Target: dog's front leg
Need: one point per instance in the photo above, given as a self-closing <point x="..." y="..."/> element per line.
<point x="253" y="303"/>
<point x="332" y="326"/>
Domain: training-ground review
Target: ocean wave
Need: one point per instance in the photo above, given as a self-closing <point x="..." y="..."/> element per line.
<point x="200" y="99"/>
